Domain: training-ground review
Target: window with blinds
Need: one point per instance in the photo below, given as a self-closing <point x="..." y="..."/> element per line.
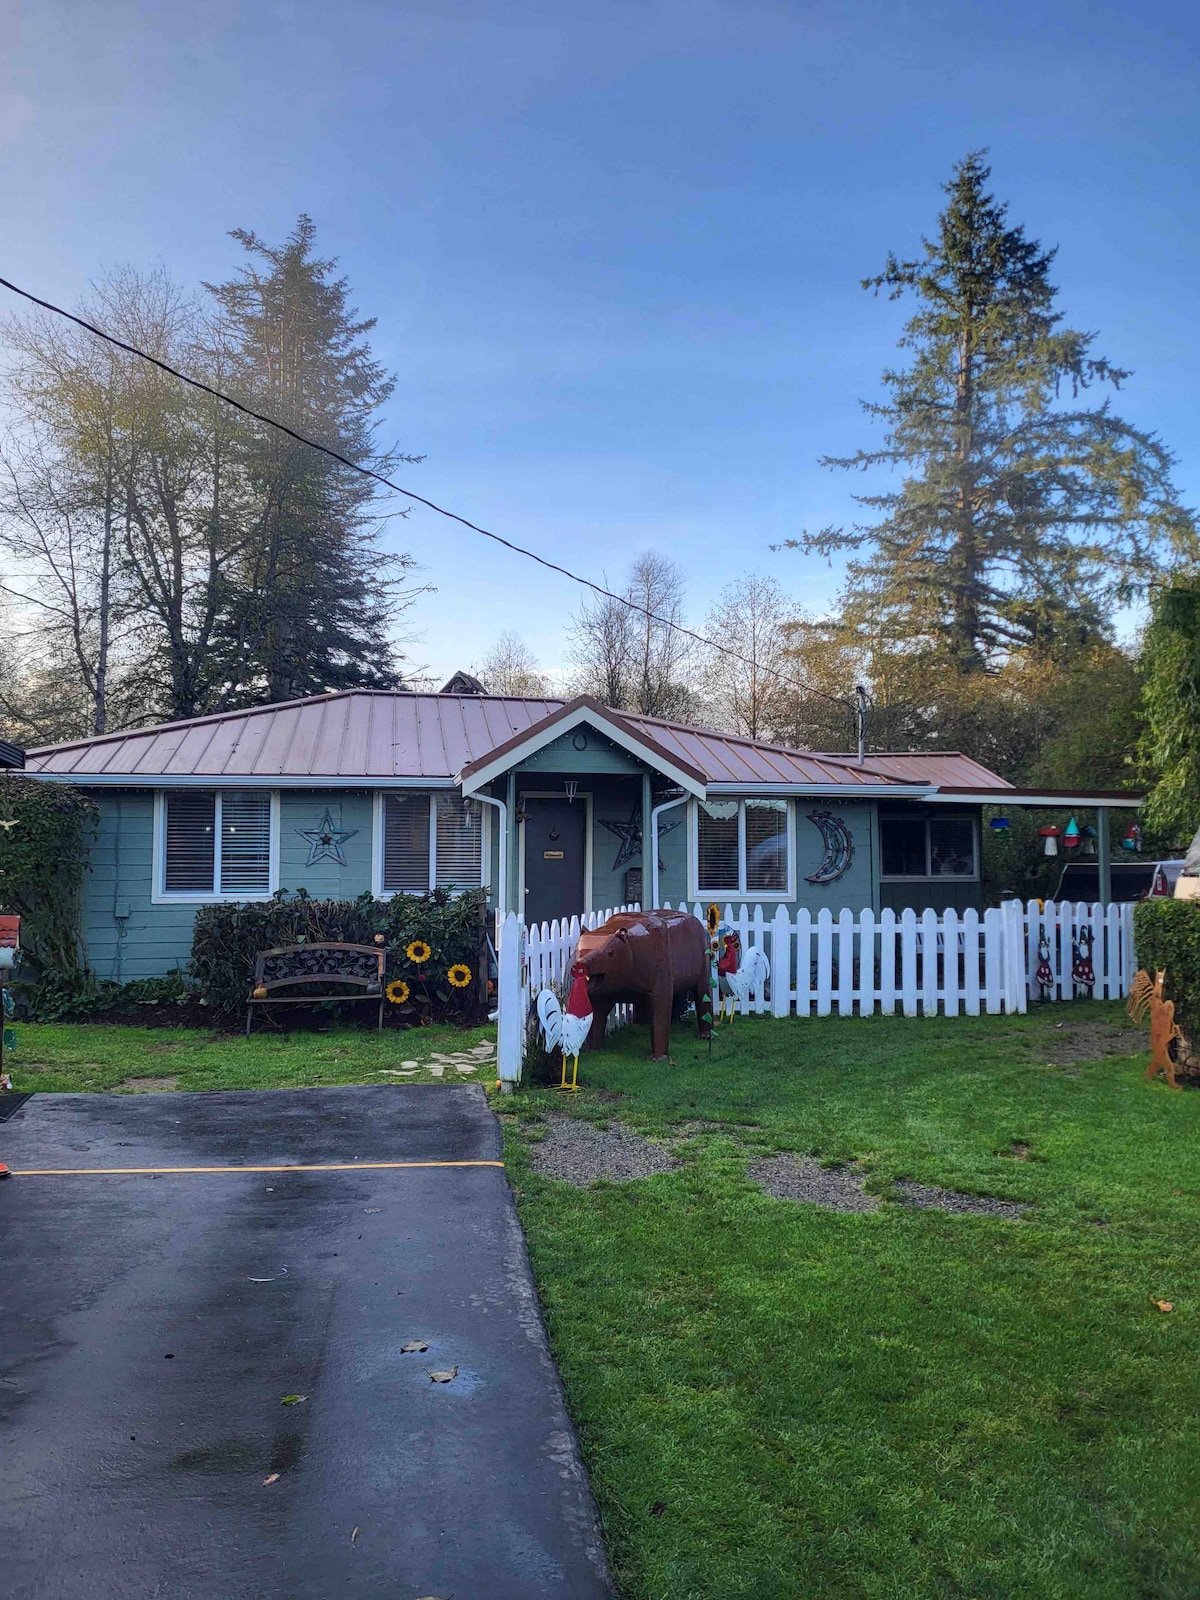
<point x="216" y="843"/>
<point x="405" y="844"/>
<point x="245" y="842"/>
<point x="190" y="845"/>
<point x="742" y="847"/>
<point x="459" y="859"/>
<point x="717" y="847"/>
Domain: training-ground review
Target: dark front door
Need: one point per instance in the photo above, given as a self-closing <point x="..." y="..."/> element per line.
<point x="555" y="857"/>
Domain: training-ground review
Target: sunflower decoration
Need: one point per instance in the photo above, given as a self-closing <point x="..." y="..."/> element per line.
<point x="418" y="952"/>
<point x="713" y="918"/>
<point x="459" y="975"/>
<point x="397" y="991"/>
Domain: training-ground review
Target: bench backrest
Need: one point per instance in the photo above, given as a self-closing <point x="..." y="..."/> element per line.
<point x="357" y="964"/>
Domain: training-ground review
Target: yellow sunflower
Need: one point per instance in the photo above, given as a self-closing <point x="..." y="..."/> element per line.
<point x="397" y="991"/>
<point x="418" y="952"/>
<point x="713" y="918"/>
<point x="459" y="975"/>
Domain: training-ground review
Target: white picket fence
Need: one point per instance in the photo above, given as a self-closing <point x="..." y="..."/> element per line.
<point x="858" y="962"/>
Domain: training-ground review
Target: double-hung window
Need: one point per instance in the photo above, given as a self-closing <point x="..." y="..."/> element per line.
<point x="215" y="844"/>
<point x="429" y="841"/>
<point x="927" y="847"/>
<point x="743" y="847"/>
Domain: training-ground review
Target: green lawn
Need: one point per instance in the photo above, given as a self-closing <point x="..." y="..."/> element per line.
<point x="779" y="1400"/>
<point x="782" y="1401"/>
<point x="94" y="1056"/>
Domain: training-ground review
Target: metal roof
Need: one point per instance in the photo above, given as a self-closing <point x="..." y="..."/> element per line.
<point x="383" y="735"/>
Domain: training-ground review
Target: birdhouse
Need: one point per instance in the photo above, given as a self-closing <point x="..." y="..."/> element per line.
<point x="1133" y="838"/>
<point x="10" y="941"/>
<point x="1071" y="837"/>
<point x="1051" y="833"/>
<point x="1089" y="837"/>
<point x="999" y="824"/>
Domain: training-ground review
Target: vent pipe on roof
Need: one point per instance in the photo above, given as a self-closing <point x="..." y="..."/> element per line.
<point x="860" y="719"/>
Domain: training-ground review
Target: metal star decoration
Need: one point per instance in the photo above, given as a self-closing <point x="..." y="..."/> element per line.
<point x="325" y="843"/>
<point x="630" y="835"/>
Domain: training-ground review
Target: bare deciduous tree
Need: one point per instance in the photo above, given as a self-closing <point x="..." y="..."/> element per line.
<point x="510" y="667"/>
<point x="629" y="652"/>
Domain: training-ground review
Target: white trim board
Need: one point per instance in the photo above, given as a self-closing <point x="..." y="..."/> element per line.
<point x="539" y="738"/>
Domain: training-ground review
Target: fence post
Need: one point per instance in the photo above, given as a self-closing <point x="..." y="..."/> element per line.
<point x="1016" y="985"/>
<point x="781" y="963"/>
<point x="510" y="1000"/>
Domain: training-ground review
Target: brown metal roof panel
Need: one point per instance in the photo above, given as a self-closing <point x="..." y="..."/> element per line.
<point x="352" y="760"/>
<point x="219" y="748"/>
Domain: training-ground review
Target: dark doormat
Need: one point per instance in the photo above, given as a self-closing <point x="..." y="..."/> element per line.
<point x="13" y="1102"/>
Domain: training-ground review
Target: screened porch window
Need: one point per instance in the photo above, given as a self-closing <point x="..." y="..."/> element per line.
<point x="742" y="847"/>
<point x="927" y="847"/>
<point x="430" y="841"/>
<point x="216" y="843"/>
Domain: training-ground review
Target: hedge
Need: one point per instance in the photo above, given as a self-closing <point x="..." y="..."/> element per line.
<point x="227" y="938"/>
<point x="1166" y="933"/>
<point x="46" y="833"/>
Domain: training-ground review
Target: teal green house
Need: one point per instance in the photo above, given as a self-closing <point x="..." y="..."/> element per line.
<point x="556" y="808"/>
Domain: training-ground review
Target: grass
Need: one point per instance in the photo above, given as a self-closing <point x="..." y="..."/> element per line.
<point x="62" y="1057"/>
<point x="779" y="1401"/>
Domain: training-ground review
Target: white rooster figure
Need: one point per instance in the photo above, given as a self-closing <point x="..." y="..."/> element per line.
<point x="566" y="1030"/>
<point x="739" y="977"/>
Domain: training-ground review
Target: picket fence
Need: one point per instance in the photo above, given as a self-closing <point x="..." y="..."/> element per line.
<point x="855" y="963"/>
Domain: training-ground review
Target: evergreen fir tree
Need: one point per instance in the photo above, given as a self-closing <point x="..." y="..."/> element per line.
<point x="311" y="604"/>
<point x="1025" y="514"/>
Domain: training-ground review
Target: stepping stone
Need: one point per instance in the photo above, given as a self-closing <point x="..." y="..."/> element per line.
<point x="437" y="1068"/>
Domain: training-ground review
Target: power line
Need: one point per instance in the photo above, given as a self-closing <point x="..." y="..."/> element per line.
<point x="368" y="472"/>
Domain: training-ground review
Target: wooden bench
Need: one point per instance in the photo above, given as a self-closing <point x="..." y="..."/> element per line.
<point x="357" y="965"/>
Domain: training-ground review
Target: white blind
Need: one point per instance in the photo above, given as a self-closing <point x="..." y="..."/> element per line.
<point x="766" y="845"/>
<point x="717" y="841"/>
<point x="459" y="841"/>
<point x="406" y="843"/>
<point x="245" y="842"/>
<point x="189" y="854"/>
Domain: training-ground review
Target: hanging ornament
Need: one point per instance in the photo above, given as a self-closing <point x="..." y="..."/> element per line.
<point x="1071" y="838"/>
<point x="1044" y="976"/>
<point x="1052" y="834"/>
<point x="1133" y="838"/>
<point x="999" y="824"/>
<point x="1083" y="974"/>
<point x="1089" y="837"/>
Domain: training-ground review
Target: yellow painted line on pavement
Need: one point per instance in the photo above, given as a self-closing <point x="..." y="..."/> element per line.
<point x="330" y="1166"/>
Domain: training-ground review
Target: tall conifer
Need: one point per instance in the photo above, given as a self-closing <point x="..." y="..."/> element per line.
<point x="1025" y="514"/>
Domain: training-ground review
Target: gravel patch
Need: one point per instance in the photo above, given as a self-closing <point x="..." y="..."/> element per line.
<point x="1091" y="1041"/>
<point x="575" y="1151"/>
<point x="927" y="1197"/>
<point x="790" y="1177"/>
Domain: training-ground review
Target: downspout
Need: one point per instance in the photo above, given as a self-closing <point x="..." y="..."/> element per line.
<point x="654" y="816"/>
<point x="502" y="850"/>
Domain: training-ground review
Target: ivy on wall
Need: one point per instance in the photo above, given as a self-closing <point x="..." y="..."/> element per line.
<point x="46" y="834"/>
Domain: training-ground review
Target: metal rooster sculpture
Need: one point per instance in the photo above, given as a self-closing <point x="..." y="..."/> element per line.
<point x="739" y="977"/>
<point x="566" y="1030"/>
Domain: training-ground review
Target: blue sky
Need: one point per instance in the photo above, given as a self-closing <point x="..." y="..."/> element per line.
<point x="614" y="248"/>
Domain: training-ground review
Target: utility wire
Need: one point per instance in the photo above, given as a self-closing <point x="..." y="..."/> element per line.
<point x="368" y="472"/>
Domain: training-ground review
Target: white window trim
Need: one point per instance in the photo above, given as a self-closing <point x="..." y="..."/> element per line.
<point x="928" y="876"/>
<point x="695" y="892"/>
<point x="197" y="897"/>
<point x="485" y="845"/>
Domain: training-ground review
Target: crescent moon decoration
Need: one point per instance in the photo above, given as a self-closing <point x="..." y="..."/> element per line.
<point x="839" y="847"/>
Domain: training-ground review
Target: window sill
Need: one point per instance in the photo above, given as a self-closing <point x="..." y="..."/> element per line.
<point x="199" y="898"/>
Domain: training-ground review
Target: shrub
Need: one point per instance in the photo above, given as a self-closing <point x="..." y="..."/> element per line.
<point x="228" y="937"/>
<point x="46" y="832"/>
<point x="1166" y="933"/>
<point x="61" y="996"/>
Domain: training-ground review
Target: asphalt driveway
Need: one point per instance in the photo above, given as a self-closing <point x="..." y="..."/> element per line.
<point x="153" y="1322"/>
